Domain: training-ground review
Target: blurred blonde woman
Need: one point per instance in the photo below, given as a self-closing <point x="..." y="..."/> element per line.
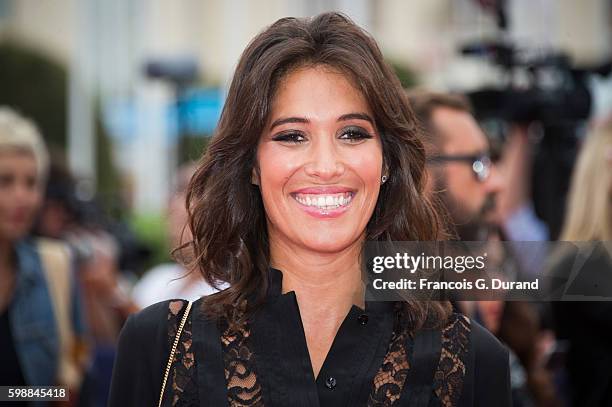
<point x="39" y="315"/>
<point x="589" y="210"/>
<point x="587" y="258"/>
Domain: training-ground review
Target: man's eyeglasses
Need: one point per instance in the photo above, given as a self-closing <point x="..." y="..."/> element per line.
<point x="481" y="163"/>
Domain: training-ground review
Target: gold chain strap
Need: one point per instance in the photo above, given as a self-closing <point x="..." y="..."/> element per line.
<point x="173" y="351"/>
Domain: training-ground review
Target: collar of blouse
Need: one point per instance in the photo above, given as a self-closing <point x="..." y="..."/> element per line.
<point x="345" y="378"/>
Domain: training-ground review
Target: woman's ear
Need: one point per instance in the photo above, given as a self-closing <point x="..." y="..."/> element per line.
<point x="385" y="174"/>
<point x="385" y="171"/>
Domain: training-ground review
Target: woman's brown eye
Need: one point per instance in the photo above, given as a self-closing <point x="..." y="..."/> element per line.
<point x="31" y="182"/>
<point x="6" y="180"/>
<point x="290" y="138"/>
<point x="355" y="135"/>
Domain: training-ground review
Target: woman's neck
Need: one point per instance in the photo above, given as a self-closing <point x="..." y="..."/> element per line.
<point x="326" y="287"/>
<point x="325" y="279"/>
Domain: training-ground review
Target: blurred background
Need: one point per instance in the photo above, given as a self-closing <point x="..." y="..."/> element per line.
<point x="126" y="94"/>
<point x="126" y="91"/>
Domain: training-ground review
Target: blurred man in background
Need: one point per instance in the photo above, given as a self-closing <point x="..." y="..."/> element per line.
<point x="480" y="200"/>
<point x="471" y="187"/>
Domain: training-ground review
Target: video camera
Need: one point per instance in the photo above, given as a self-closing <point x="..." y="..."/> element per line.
<point x="542" y="88"/>
<point x="537" y="87"/>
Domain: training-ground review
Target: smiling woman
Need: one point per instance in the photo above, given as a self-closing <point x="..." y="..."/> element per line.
<point x="316" y="152"/>
<point x="320" y="159"/>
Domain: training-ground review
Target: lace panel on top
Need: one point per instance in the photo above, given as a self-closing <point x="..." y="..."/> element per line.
<point x="389" y="381"/>
<point x="448" y="379"/>
<point x="183" y="376"/>
<point x="243" y="389"/>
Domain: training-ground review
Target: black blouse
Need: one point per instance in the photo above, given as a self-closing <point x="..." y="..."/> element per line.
<point x="10" y="369"/>
<point x="372" y="361"/>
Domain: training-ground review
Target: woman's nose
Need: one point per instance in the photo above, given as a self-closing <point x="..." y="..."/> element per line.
<point x="324" y="160"/>
<point x="23" y="193"/>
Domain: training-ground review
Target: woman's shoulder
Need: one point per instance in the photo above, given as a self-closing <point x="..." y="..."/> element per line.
<point x="155" y="326"/>
<point x="146" y="332"/>
<point x="469" y="335"/>
<point x="142" y="353"/>
<point x="486" y="345"/>
<point x="456" y="325"/>
<point x="154" y="317"/>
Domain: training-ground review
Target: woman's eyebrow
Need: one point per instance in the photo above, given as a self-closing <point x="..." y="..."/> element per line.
<point x="285" y="120"/>
<point x="359" y="116"/>
<point x="344" y="117"/>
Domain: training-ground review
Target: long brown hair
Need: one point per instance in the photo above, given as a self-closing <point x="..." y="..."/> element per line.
<point x="226" y="213"/>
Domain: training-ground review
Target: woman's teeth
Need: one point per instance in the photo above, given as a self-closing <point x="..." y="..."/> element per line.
<point x="324" y="201"/>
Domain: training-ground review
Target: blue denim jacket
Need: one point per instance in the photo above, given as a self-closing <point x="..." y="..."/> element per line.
<point x="33" y="321"/>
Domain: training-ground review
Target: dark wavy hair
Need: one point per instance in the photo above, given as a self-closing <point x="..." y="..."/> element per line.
<point x="226" y="213"/>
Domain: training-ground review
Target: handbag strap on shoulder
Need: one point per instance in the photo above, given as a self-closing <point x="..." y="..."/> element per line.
<point x="177" y="338"/>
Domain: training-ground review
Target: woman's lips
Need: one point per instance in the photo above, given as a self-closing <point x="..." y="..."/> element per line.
<point x="331" y="189"/>
<point x="20" y="217"/>
<point x="324" y="202"/>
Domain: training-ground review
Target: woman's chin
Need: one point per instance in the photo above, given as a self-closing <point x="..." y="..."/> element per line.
<point x="329" y="243"/>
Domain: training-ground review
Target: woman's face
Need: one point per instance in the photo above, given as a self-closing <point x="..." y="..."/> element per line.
<point x="319" y="162"/>
<point x="20" y="193"/>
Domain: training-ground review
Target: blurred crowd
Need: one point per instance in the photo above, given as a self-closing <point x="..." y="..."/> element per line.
<point x="65" y="292"/>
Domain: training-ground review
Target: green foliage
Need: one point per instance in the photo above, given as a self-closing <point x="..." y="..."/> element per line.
<point x="35" y="86"/>
<point x="151" y="229"/>
<point x="107" y="180"/>
<point x="191" y="148"/>
<point x="406" y="75"/>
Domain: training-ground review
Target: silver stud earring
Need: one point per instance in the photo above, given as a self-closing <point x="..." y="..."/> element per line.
<point x="384" y="179"/>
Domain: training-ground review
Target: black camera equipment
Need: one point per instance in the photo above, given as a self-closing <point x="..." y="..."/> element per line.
<point x="544" y="88"/>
